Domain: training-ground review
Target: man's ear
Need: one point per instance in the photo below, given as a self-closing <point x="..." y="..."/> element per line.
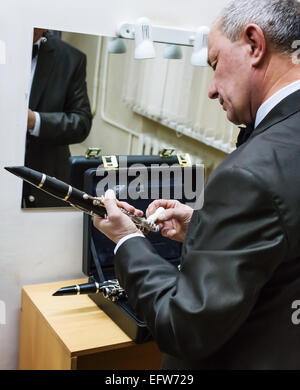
<point x="256" y="41"/>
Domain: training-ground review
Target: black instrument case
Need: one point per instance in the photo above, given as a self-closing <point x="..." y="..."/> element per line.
<point x="98" y="250"/>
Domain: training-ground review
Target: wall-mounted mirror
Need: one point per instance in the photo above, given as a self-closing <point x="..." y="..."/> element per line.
<point x="88" y="91"/>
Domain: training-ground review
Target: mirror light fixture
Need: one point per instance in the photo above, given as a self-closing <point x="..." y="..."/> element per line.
<point x="173" y="52"/>
<point x="169" y="35"/>
<point x="116" y="46"/>
<point x="144" y="47"/>
<point x="200" y="53"/>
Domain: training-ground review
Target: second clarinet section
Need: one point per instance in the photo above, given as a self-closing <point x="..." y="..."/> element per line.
<point x="110" y="289"/>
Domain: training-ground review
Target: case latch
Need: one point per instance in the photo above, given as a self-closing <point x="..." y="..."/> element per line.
<point x="92" y="153"/>
<point x="166" y="152"/>
<point x="110" y="162"/>
<point x="184" y="160"/>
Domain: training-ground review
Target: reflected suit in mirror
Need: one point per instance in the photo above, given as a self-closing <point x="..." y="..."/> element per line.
<point x="59" y="96"/>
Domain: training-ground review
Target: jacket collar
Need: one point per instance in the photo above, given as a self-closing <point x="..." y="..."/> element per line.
<point x="287" y="107"/>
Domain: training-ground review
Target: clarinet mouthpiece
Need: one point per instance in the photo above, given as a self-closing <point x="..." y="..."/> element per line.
<point x="70" y="290"/>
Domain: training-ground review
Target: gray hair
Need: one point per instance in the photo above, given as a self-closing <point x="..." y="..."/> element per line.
<point x="279" y="20"/>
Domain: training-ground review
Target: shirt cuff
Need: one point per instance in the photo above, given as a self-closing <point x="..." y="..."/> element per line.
<point x="125" y="238"/>
<point x="36" y="130"/>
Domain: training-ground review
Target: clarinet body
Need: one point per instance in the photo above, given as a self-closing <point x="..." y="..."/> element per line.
<point x="76" y="198"/>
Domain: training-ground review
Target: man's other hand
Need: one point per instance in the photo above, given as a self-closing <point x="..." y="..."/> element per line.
<point x="117" y="225"/>
<point x="30" y="120"/>
<point x="173" y="222"/>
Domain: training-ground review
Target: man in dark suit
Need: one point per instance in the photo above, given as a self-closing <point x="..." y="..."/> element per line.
<point x="59" y="112"/>
<point x="232" y="304"/>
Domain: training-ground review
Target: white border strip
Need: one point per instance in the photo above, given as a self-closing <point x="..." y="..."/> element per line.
<point x="2" y="53"/>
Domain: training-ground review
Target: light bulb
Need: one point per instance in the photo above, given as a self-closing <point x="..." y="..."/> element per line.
<point x="116" y="46"/>
<point x="173" y="52"/>
<point x="144" y="47"/>
<point x="200" y="52"/>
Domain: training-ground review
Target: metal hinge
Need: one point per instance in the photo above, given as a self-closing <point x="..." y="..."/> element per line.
<point x="92" y="153"/>
<point x="166" y="152"/>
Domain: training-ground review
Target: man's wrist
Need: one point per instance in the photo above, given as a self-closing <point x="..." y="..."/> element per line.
<point x="125" y="238"/>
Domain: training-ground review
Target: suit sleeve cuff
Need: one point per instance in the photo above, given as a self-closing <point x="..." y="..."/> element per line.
<point x="125" y="238"/>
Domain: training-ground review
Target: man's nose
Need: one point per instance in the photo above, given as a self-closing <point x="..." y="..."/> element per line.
<point x="212" y="91"/>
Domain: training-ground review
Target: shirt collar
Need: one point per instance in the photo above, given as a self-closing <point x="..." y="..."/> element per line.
<point x="38" y="43"/>
<point x="275" y="99"/>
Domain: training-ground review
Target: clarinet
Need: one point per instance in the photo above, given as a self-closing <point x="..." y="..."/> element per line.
<point x="76" y="198"/>
<point x="109" y="288"/>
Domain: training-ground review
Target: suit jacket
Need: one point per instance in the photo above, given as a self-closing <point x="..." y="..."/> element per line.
<point x="230" y="306"/>
<point x="59" y="95"/>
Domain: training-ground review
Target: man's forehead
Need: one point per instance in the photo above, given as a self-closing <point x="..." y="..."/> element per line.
<point x="214" y="36"/>
<point x="213" y="43"/>
<point x="216" y="40"/>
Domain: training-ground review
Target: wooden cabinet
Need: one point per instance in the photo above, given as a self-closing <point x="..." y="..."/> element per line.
<point x="72" y="332"/>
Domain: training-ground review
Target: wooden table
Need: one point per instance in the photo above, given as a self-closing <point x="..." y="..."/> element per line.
<point x="72" y="332"/>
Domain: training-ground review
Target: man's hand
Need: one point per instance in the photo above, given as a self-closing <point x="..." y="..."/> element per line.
<point x="117" y="225"/>
<point x="174" y="220"/>
<point x="30" y="120"/>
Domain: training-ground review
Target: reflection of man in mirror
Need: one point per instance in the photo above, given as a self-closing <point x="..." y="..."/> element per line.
<point x="59" y="111"/>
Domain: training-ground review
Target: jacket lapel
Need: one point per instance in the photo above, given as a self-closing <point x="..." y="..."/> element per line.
<point x="287" y="107"/>
<point x="44" y="67"/>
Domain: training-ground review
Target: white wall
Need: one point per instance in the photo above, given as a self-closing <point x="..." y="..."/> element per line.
<point x="41" y="246"/>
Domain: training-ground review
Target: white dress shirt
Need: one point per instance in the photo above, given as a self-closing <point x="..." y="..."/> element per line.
<point x="125" y="238"/>
<point x="278" y="96"/>
<point x="36" y="130"/>
<point x="262" y="112"/>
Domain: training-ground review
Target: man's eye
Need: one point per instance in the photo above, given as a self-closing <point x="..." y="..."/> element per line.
<point x="214" y="66"/>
